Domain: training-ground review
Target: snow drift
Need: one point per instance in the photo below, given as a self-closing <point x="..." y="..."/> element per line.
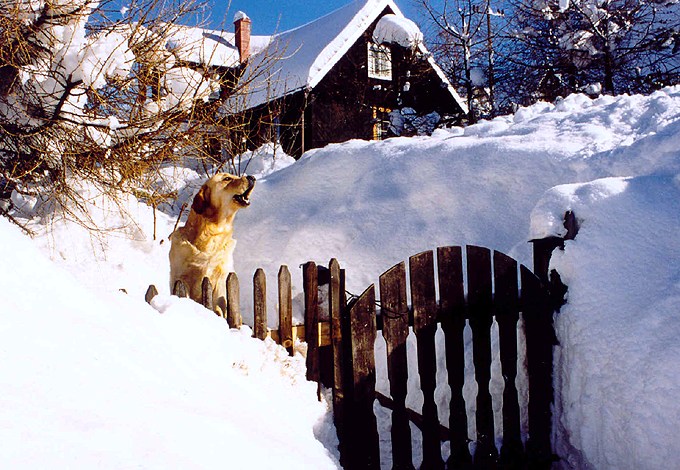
<point x="97" y="377"/>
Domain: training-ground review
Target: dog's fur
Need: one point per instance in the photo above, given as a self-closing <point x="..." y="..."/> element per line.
<point x="204" y="245"/>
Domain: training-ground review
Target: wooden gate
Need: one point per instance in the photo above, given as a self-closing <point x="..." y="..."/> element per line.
<point x="475" y="287"/>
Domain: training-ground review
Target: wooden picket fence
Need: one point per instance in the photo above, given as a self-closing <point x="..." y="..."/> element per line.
<point x="316" y="333"/>
<point x="467" y="286"/>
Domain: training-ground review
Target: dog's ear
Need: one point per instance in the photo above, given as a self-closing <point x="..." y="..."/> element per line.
<point x="201" y="204"/>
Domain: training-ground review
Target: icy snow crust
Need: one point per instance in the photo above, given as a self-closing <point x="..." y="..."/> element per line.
<point x="95" y="377"/>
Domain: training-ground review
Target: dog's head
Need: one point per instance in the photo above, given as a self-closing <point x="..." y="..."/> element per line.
<point x="223" y="195"/>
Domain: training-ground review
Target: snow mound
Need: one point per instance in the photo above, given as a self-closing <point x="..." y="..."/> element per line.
<point x="399" y="30"/>
<point x="103" y="380"/>
<point x="618" y="357"/>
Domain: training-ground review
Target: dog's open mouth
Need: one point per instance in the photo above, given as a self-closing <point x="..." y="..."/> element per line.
<point x="244" y="198"/>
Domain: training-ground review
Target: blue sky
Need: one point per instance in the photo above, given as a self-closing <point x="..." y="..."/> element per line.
<point x="269" y="16"/>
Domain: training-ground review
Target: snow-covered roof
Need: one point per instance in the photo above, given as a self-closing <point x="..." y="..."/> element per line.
<point x="305" y="55"/>
<point x="209" y="47"/>
<point x="301" y="57"/>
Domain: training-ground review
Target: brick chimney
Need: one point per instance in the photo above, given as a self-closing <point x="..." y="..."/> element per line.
<point x="242" y="35"/>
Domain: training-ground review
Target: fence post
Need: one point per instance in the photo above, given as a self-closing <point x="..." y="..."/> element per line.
<point x="233" y="301"/>
<point x="285" y="309"/>
<point x="543" y="249"/>
<point x="180" y="289"/>
<point x="260" y="304"/>
<point x="540" y="338"/>
<point x="336" y="311"/>
<point x="207" y="293"/>
<point x="151" y="292"/>
<point x="310" y="285"/>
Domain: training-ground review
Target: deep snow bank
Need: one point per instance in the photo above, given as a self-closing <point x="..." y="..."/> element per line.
<point x="92" y="379"/>
<point x="373" y="204"/>
<point x="619" y="357"/>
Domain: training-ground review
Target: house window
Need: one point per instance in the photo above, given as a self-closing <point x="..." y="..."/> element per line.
<point x="379" y="61"/>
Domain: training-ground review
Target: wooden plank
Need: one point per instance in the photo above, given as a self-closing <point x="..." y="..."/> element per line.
<point x="233" y="301"/>
<point x="151" y="292"/>
<point x="540" y="339"/>
<point x="362" y="436"/>
<point x="338" y="329"/>
<point x="285" y="309"/>
<point x="311" y="292"/>
<point x="259" y="304"/>
<point x="180" y="289"/>
<point x="335" y="312"/>
<point x="506" y="309"/>
<point x="481" y="318"/>
<point x="394" y="312"/>
<point x="424" y="302"/>
<point x="452" y="317"/>
<point x="207" y="293"/>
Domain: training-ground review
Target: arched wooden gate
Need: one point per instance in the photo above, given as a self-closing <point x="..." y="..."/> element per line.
<point x="449" y="289"/>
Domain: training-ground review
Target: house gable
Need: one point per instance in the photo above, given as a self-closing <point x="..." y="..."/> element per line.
<point x="311" y="85"/>
<point x="305" y="55"/>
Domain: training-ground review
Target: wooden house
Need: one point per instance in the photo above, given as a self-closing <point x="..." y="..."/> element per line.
<point x="360" y="72"/>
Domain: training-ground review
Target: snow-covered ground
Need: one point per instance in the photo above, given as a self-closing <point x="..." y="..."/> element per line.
<point x="94" y="376"/>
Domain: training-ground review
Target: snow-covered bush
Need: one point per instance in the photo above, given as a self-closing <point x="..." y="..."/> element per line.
<point x="86" y="98"/>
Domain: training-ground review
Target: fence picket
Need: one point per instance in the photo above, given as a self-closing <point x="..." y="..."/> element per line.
<point x="394" y="312"/>
<point x="233" y="301"/>
<point x="540" y="337"/>
<point x="423" y="300"/>
<point x="285" y="309"/>
<point x="339" y="329"/>
<point x="207" y="293"/>
<point x="260" y="304"/>
<point x="362" y="433"/>
<point x="180" y="289"/>
<point x="506" y="309"/>
<point x="151" y="292"/>
<point x="479" y="307"/>
<point x="452" y="316"/>
<point x="311" y="281"/>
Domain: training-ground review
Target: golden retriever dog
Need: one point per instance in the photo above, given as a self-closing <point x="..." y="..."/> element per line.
<point x="204" y="245"/>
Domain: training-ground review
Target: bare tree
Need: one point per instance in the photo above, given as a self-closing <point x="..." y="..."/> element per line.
<point x="612" y="46"/>
<point x="91" y="94"/>
<point x="463" y="41"/>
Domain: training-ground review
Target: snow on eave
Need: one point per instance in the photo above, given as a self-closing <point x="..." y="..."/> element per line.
<point x="349" y="35"/>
